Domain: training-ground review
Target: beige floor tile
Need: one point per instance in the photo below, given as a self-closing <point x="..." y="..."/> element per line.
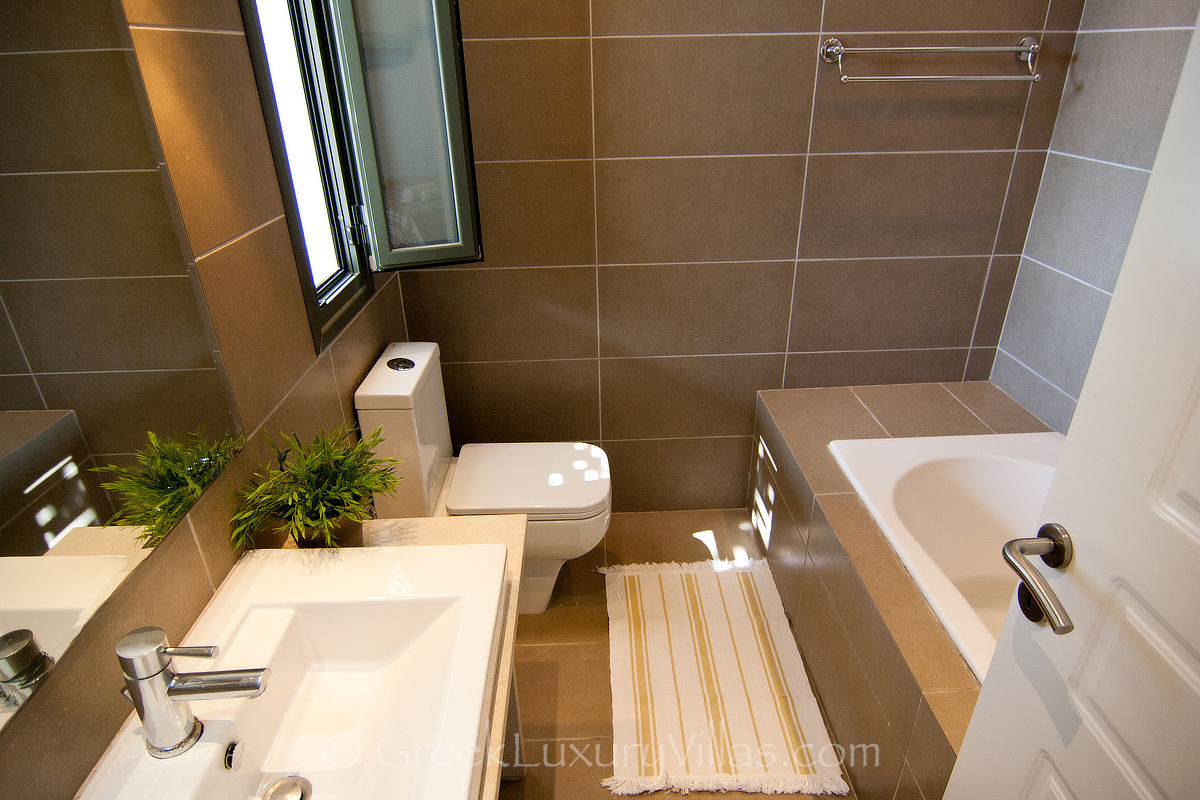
<point x="658" y="536"/>
<point x="564" y="691"/>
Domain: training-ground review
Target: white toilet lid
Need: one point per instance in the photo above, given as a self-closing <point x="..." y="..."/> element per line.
<point x="546" y="480"/>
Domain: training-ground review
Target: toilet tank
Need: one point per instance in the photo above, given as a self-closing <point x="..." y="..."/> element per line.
<point x="404" y="396"/>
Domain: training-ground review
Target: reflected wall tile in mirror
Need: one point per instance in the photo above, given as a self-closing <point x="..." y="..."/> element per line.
<point x="697" y="16"/>
<point x="109" y="324"/>
<point x="702" y="95"/>
<point x="683" y="309"/>
<point x="537" y="213"/>
<point x="47" y="95"/>
<point x="103" y="224"/>
<point x="494" y="314"/>
<point x="207" y="112"/>
<point x="530" y="98"/>
<point x="698" y="209"/>
<point x="115" y="409"/>
<point x="253" y="294"/>
<point x="523" y="401"/>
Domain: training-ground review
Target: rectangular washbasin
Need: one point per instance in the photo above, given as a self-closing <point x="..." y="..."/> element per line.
<point x="379" y="662"/>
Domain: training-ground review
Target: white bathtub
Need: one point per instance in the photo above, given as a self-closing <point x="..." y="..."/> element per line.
<point x="948" y="504"/>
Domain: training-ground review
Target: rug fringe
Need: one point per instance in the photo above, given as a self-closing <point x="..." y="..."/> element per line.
<point x="712" y="565"/>
<point x="760" y="784"/>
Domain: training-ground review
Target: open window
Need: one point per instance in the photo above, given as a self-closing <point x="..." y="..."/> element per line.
<point x="366" y="109"/>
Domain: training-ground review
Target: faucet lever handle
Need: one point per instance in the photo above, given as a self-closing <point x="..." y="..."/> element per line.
<point x="207" y="651"/>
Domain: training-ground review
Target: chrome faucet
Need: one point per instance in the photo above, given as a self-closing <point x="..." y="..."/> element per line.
<point x="160" y="694"/>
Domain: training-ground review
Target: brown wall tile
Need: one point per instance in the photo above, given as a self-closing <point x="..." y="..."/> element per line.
<point x="1052" y="63"/>
<point x="47" y="26"/>
<point x="677" y="309"/>
<point x="938" y="15"/>
<point x="708" y="209"/>
<point x="868" y="367"/>
<point x="312" y="406"/>
<point x="929" y="754"/>
<point x="979" y="364"/>
<point x="221" y="15"/>
<point x="683" y="396"/>
<point x="795" y="489"/>
<point x="529" y="98"/>
<point x="1064" y="15"/>
<point x="904" y="204"/>
<point x="253" y="294"/>
<point x="668" y="474"/>
<point x="12" y="359"/>
<point x="907" y="788"/>
<point x="847" y="697"/>
<point x="537" y="213"/>
<point x="1001" y="276"/>
<point x="203" y="96"/>
<point x="46" y="95"/>
<point x="863" y="305"/>
<point x="529" y="401"/>
<point x="863" y="117"/>
<point x="505" y="18"/>
<point x="18" y="392"/>
<point x="497" y="314"/>
<point x="87" y="225"/>
<point x="1018" y="206"/>
<point x="697" y="16"/>
<point x="109" y="324"/>
<point x="115" y="409"/>
<point x="703" y="95"/>
<point x="786" y="549"/>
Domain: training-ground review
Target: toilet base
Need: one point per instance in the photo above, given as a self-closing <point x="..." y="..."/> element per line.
<point x="537" y="585"/>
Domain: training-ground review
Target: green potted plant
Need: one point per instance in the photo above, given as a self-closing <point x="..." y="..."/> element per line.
<point x="168" y="478"/>
<point x="317" y="493"/>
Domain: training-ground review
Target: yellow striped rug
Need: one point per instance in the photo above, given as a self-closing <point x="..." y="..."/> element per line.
<point x="709" y="692"/>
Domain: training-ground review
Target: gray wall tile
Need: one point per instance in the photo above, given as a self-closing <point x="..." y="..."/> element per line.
<point x="1084" y="217"/>
<point x="1118" y="93"/>
<point x="1053" y="324"/>
<point x="1107" y="14"/>
<point x="1046" y="402"/>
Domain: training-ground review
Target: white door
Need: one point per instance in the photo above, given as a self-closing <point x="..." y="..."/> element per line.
<point x="1112" y="709"/>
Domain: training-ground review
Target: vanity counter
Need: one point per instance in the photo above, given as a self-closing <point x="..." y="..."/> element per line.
<point x="508" y="529"/>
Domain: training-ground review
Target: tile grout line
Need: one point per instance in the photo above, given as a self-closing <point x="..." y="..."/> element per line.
<point x="963" y="403"/>
<point x="1066" y="274"/>
<point x="1038" y="375"/>
<point x="24" y="356"/>
<point x="595" y="215"/>
<point x="869" y="411"/>
<point x="200" y="551"/>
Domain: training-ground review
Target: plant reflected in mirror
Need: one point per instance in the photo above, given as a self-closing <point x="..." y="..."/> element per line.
<point x="170" y="475"/>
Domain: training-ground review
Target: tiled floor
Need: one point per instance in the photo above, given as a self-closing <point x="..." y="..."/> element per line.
<point x="562" y="655"/>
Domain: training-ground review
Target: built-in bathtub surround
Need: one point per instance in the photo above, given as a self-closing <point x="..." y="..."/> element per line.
<point x="682" y="205"/>
<point x="883" y="667"/>
<point x="1118" y="92"/>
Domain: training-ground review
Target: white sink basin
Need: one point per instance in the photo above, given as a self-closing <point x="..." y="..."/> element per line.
<point x="379" y="661"/>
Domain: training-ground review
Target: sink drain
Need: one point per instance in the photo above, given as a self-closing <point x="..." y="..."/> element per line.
<point x="293" y="787"/>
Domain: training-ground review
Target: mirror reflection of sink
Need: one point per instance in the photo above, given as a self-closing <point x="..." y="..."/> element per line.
<point x="379" y="661"/>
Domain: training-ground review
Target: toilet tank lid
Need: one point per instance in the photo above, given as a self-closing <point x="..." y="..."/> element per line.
<point x="389" y="387"/>
<point x="546" y="480"/>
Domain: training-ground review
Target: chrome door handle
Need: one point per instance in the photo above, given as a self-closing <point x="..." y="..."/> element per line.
<point x="1035" y="597"/>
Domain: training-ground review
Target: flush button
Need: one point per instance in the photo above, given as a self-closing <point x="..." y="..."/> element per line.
<point x="401" y="364"/>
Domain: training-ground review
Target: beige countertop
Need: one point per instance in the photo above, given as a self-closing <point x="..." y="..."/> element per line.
<point x="506" y="529"/>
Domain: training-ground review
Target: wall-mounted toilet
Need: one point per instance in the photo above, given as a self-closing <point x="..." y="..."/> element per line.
<point x="563" y="487"/>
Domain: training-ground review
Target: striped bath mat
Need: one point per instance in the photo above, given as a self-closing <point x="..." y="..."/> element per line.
<point x="709" y="692"/>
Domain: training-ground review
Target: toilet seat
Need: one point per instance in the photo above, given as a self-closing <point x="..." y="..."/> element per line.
<point x="544" y="480"/>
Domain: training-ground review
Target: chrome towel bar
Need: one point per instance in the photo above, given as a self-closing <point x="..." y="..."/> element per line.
<point x="832" y="51"/>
